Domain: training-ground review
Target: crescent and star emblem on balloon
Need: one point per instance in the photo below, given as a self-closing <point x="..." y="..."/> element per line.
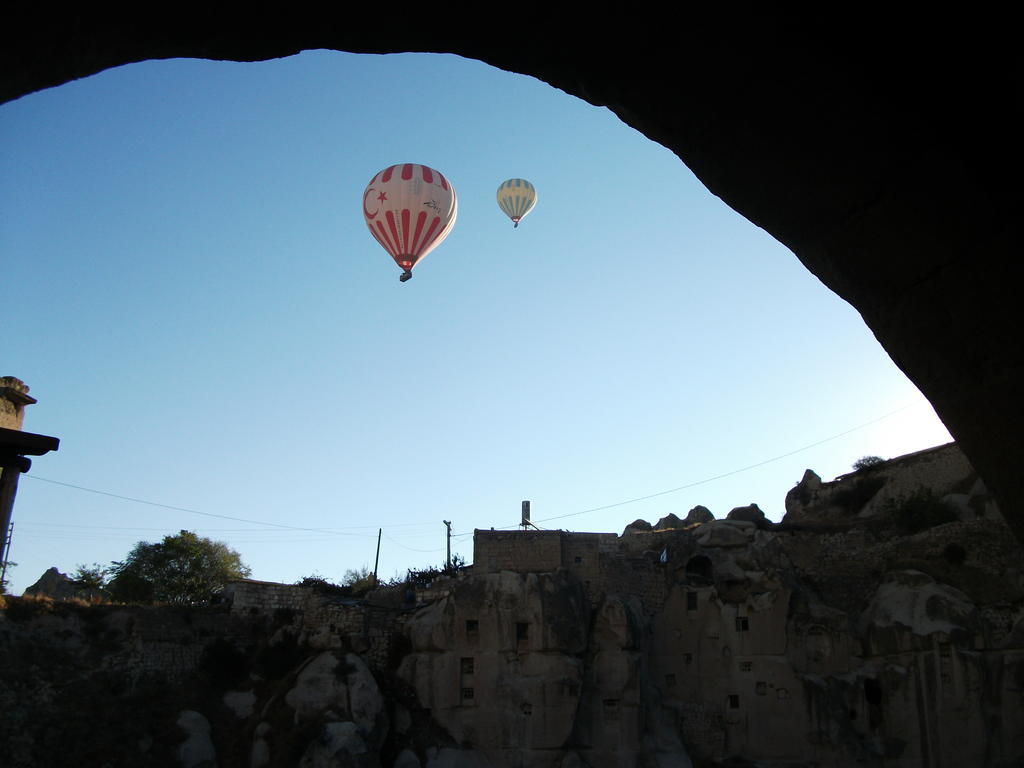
<point x="416" y="209"/>
<point x="366" y="211"/>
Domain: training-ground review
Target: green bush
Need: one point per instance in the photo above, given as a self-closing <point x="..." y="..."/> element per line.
<point x="360" y="580"/>
<point x="864" y="462"/>
<point x="325" y="587"/>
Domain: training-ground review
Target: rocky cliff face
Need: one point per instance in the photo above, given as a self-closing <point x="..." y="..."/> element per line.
<point x="891" y="638"/>
<point x="522" y="671"/>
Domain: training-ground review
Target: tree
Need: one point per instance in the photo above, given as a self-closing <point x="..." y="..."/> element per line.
<point x="867" y="461"/>
<point x="184" y="569"/>
<point x="91" y="578"/>
<point x="4" y="567"/>
<point x="360" y="579"/>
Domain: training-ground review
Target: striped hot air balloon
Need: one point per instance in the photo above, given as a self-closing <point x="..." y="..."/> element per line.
<point x="516" y="197"/>
<point x="410" y="209"/>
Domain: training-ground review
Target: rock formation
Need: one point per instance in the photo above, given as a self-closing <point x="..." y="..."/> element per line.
<point x="59" y="586"/>
<point x="941" y="474"/>
<point x="699" y="514"/>
<point x="892" y="639"/>
<point x="751" y="514"/>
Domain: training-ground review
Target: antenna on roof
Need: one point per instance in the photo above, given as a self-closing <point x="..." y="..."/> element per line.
<point x="525" y="522"/>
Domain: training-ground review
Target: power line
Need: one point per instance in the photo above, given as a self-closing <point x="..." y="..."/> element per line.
<point x="190" y="511"/>
<point x="733" y="472"/>
<point x="334" y="531"/>
<point x="211" y="530"/>
<point x="340" y="532"/>
<point x="411" y="549"/>
<point x="724" y="474"/>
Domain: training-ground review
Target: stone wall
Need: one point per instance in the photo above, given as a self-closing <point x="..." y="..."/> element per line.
<point x="519" y="551"/>
<point x="369" y="630"/>
<point x="603" y="562"/>
<point x="249" y="597"/>
<point x="13" y="399"/>
<point x="325" y="620"/>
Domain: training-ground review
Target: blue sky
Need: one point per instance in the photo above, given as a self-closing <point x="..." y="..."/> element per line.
<point x="192" y="294"/>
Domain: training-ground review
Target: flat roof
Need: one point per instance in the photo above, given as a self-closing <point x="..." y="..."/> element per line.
<point x="18" y="443"/>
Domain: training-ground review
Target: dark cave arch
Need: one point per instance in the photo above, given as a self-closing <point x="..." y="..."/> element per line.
<point x="883" y="161"/>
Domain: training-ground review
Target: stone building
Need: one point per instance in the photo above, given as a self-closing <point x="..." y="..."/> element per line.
<point x="15" y="448"/>
<point x="14" y="397"/>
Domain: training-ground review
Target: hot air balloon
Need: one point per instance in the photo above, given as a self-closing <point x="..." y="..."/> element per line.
<point x="410" y="209"/>
<point x="516" y="197"/>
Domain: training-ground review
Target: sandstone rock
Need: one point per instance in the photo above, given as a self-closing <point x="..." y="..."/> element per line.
<point x="403" y="719"/>
<point x="407" y="759"/>
<point x="259" y="755"/>
<point x="240" y="702"/>
<point x="339" y="745"/>
<point x="669" y="522"/>
<point x="802" y="497"/>
<point x="913" y="602"/>
<point x="731" y="581"/>
<point x="672" y="760"/>
<point x="719" y="533"/>
<point x="518" y="634"/>
<point x="59" y="586"/>
<point x="458" y="758"/>
<point x="197" y="750"/>
<point x="366" y="705"/>
<point x="699" y="514"/>
<point x="346" y="686"/>
<point x="317" y="688"/>
<point x="750" y="514"/>
<point x="637" y="526"/>
<point x="1015" y="637"/>
<point x="617" y="625"/>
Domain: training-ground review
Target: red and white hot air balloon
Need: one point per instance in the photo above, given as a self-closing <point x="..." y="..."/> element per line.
<point x="410" y="209"/>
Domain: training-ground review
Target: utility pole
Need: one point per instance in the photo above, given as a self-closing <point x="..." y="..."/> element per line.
<point x="376" y="560"/>
<point x="448" y="561"/>
<point x="5" y="549"/>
